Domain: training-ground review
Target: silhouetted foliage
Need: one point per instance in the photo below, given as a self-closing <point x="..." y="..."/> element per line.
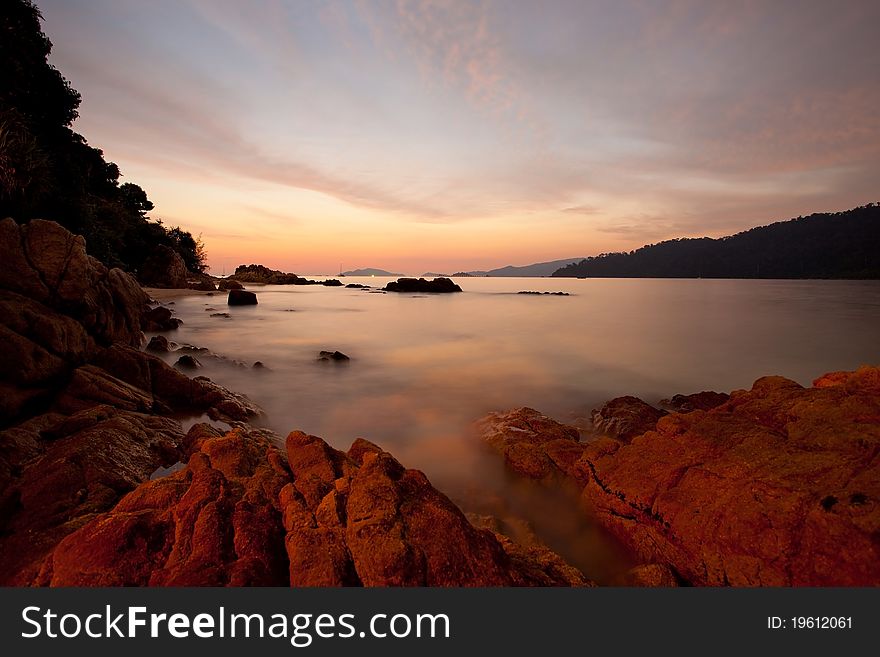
<point x="49" y="171"/>
<point x="829" y="245"/>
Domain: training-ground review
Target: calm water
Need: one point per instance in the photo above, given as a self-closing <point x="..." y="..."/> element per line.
<point x="424" y="367"/>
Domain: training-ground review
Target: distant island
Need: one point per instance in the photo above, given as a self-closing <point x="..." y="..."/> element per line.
<point x="535" y="270"/>
<point x="842" y="245"/>
<point x="369" y="271"/>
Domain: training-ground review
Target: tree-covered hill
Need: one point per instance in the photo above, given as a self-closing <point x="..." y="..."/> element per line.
<point x="48" y="171"/>
<point x="829" y="245"/>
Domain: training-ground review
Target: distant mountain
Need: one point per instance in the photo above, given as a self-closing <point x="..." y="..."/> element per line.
<point x="369" y="271"/>
<point x="537" y="269"/>
<point x="829" y="245"/>
<point x="433" y="274"/>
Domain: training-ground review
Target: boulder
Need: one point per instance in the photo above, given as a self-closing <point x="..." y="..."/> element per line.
<point x="159" y="344"/>
<point x="83" y="465"/>
<point x="778" y="486"/>
<point x="241" y="514"/>
<point x="225" y="284"/>
<point x="160" y="318"/>
<point x="332" y="282"/>
<point x="187" y="362"/>
<point x="163" y="268"/>
<point x="173" y="389"/>
<point x="625" y="418"/>
<point x="438" y="285"/>
<point x="44" y="262"/>
<point x="58" y="307"/>
<point x="241" y="298"/>
<point x="533" y="445"/>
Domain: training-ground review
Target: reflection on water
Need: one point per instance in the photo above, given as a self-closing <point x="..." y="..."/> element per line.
<point x="423" y="367"/>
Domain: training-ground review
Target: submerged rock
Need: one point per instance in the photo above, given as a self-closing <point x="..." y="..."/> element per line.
<point x="438" y="285"/>
<point x="555" y="294"/>
<point x="241" y="298"/>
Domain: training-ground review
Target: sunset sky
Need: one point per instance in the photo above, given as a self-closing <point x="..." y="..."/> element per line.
<point x="439" y="136"/>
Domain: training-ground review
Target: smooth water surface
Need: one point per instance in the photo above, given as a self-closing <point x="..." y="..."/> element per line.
<point x="423" y="367"/>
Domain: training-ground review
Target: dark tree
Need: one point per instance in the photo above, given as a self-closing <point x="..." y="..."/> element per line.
<point x="49" y="171"/>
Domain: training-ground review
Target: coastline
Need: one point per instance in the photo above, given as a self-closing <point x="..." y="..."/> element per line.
<point x="777" y="485"/>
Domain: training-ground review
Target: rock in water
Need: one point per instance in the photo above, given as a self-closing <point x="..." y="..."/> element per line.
<point x="160" y="318"/>
<point x="187" y="362"/>
<point x="225" y="284"/>
<point x="438" y="285"/>
<point x="532" y="444"/>
<point x="332" y="282"/>
<point x="241" y="298"/>
<point x="333" y="355"/>
<point x="159" y="344"/>
<point x="626" y="417"/>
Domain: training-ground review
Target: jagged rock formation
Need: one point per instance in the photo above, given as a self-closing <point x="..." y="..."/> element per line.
<point x="778" y="486"/>
<point x="58" y="308"/>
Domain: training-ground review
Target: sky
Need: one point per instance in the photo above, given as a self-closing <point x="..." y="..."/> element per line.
<point x="430" y="135"/>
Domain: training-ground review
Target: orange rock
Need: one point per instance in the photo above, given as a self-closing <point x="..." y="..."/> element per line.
<point x="779" y="486"/>
<point x="238" y="515"/>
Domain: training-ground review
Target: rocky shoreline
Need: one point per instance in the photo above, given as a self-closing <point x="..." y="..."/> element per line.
<point x="778" y="485"/>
